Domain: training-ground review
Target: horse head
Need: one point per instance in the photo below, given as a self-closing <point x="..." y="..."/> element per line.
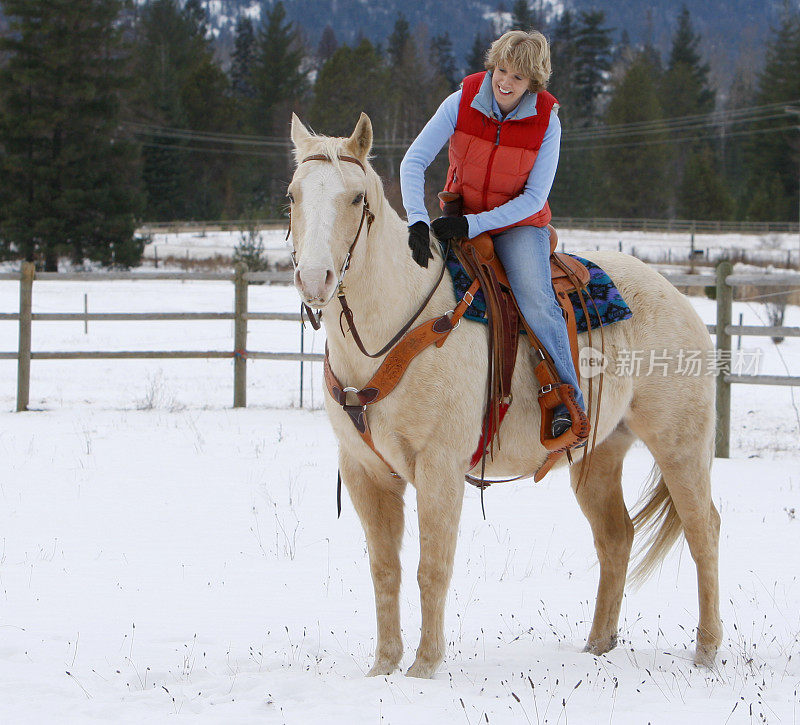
<point x="329" y="211"/>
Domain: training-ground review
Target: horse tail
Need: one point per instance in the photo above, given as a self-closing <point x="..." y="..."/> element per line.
<point x="657" y="523"/>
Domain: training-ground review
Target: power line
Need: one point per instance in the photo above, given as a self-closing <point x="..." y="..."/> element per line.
<point x="657" y="142"/>
<point x="713" y="117"/>
<point x="211" y="150"/>
<point x="754" y="114"/>
<point x="566" y="148"/>
<point x="140" y="129"/>
<point x="660" y="127"/>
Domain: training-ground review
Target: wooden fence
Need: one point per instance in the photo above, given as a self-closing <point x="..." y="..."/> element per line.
<point x="697" y="226"/>
<point x="689" y="226"/>
<point x="724" y="282"/>
<point x="240" y="316"/>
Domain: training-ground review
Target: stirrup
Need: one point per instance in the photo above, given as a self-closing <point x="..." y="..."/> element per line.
<point x="562" y="421"/>
<point x="550" y="396"/>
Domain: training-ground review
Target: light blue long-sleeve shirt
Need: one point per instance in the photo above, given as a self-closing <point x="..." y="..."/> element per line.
<point x="437" y="133"/>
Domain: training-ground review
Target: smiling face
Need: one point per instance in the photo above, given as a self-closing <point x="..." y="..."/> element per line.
<point x="508" y="86"/>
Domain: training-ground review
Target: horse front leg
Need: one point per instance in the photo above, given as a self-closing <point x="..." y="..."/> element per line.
<point x="440" y="493"/>
<point x="378" y="501"/>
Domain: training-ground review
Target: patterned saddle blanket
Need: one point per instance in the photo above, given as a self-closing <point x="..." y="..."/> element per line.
<point x="607" y="298"/>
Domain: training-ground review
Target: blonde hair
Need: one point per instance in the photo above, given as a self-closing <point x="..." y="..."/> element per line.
<point x="526" y="53"/>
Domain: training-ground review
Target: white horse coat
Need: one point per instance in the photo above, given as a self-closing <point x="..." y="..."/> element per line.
<point x="428" y="427"/>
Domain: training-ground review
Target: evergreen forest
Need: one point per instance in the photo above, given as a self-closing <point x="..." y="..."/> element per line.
<point x="114" y="113"/>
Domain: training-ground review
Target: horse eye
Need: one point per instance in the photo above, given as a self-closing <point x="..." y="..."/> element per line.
<point x="359" y="198"/>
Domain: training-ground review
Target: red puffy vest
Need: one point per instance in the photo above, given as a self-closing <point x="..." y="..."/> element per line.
<point x="490" y="161"/>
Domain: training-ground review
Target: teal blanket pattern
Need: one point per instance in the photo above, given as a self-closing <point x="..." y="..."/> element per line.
<point x="607" y="298"/>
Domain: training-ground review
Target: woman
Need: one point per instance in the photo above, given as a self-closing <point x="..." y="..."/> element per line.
<point x="504" y="135"/>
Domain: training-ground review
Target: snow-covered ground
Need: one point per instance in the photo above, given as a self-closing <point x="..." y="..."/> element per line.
<point x="656" y="247"/>
<point x="165" y="557"/>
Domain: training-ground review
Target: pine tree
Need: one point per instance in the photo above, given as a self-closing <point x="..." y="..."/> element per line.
<point x="242" y="60"/>
<point x="398" y="41"/>
<point x="581" y="62"/>
<point x="741" y="95"/>
<point x="685" y="83"/>
<point x="442" y="58"/>
<point x="772" y="156"/>
<point x="195" y="13"/>
<point x="327" y="45"/>
<point x="522" y="18"/>
<point x="634" y="166"/>
<point x="592" y="64"/>
<point x="164" y="49"/>
<point x="476" y="59"/>
<point x="353" y="80"/>
<point x="416" y="90"/>
<point x="571" y="191"/>
<point x="182" y="87"/>
<point x="563" y="56"/>
<point x="702" y="193"/>
<point x="279" y="83"/>
<point x="277" y="77"/>
<point x="69" y="178"/>
<point x="208" y="107"/>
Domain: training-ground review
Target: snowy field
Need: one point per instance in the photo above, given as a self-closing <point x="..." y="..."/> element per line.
<point x="656" y="247"/>
<point x="164" y="557"/>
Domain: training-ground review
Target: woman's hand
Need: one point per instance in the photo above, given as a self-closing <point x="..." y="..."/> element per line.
<point x="419" y="240"/>
<point x="450" y="227"/>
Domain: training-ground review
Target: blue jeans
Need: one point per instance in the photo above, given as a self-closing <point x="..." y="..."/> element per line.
<point x="525" y="254"/>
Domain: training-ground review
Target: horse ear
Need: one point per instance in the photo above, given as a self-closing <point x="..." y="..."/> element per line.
<point x="299" y="131"/>
<point x="360" y="142"/>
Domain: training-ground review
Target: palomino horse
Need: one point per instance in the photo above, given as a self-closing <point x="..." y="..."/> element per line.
<point x="428" y="427"/>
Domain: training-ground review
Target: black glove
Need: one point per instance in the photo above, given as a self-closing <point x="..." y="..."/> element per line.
<point x="450" y="227"/>
<point x="419" y="240"/>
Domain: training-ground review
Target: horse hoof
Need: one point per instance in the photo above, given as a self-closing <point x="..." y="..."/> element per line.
<point x="382" y="667"/>
<point x="599" y="647"/>
<point x="705" y="656"/>
<point x="423" y="670"/>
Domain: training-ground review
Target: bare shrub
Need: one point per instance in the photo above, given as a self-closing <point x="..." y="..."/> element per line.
<point x="776" y="309"/>
<point x="250" y="248"/>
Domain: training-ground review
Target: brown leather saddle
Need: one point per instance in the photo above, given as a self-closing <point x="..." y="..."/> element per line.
<point x="567" y="273"/>
<point x="505" y="323"/>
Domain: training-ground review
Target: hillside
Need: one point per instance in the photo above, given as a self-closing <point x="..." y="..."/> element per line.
<point x="729" y="27"/>
<point x="733" y="31"/>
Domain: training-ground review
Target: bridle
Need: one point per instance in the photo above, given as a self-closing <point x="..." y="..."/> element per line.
<point x="347" y="313"/>
<point x="402" y="348"/>
<point x="366" y="214"/>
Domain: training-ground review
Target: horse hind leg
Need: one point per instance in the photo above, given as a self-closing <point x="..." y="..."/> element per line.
<point x="684" y="456"/>
<point x="378" y="501"/>
<point x="600" y="498"/>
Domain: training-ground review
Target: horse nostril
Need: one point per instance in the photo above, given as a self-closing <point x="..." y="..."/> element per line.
<point x="298" y="281"/>
<point x="329" y="278"/>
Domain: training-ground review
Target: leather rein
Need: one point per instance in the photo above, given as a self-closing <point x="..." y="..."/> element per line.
<point x="402" y="348"/>
<point x="405" y="345"/>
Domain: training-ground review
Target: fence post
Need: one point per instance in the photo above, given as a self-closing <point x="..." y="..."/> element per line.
<point x="302" y="350"/>
<point x="24" y="354"/>
<point x="240" y="337"/>
<point x="724" y="316"/>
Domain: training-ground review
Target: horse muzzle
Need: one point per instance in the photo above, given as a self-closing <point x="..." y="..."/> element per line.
<point x="316" y="285"/>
